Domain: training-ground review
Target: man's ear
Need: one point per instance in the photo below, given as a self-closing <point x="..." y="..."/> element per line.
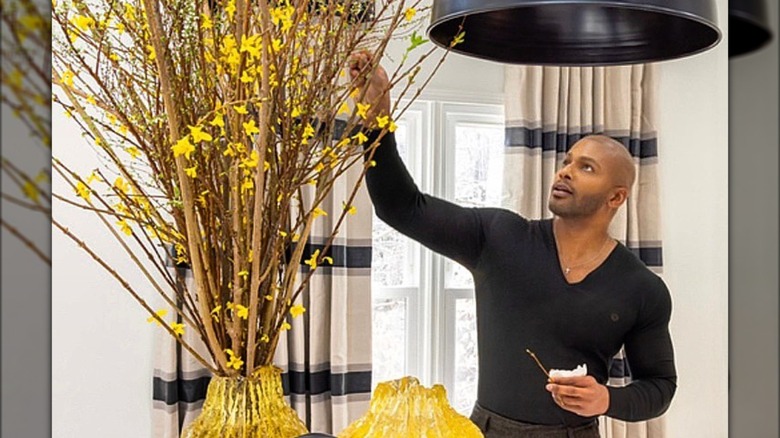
<point x="619" y="196"/>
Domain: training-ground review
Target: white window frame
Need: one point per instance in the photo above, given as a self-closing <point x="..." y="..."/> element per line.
<point x="431" y="306"/>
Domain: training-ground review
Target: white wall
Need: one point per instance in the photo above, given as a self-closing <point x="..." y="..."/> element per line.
<point x="101" y="354"/>
<point x="101" y="342"/>
<point x="693" y="143"/>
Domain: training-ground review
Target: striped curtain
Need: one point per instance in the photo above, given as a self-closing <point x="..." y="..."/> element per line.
<point x="325" y="357"/>
<point x="547" y="110"/>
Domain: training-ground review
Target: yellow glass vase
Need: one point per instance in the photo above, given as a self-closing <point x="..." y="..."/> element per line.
<point x="240" y="407"/>
<point x="403" y="408"/>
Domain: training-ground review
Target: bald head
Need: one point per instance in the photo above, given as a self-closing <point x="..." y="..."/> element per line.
<point x="621" y="163"/>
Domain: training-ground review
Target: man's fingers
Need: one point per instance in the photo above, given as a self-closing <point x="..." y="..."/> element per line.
<point x="359" y="61"/>
<point x="563" y="390"/>
<point x="579" y="381"/>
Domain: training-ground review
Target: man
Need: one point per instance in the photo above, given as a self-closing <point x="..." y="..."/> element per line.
<point x="561" y="288"/>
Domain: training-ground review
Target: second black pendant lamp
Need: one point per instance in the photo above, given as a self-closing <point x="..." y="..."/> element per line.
<point x="576" y="32"/>
<point x="748" y="26"/>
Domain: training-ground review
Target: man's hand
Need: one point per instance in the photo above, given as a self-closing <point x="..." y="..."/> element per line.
<point x="581" y="395"/>
<point x="377" y="94"/>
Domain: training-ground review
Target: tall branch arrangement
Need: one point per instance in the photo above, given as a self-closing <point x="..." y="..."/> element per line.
<point x="223" y="125"/>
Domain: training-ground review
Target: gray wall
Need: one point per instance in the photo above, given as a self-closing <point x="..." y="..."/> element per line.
<point x="753" y="240"/>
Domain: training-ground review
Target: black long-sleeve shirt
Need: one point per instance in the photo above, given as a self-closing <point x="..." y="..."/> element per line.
<point x="524" y="301"/>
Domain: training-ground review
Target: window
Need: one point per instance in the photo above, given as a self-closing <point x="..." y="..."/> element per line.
<point x="424" y="313"/>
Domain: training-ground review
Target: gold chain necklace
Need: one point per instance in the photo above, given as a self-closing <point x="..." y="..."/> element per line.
<point x="567" y="269"/>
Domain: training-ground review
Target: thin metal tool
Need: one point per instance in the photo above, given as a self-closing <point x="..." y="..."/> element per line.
<point x="536" y="359"/>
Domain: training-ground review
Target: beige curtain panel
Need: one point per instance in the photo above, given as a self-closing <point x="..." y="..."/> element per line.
<point x="547" y="110"/>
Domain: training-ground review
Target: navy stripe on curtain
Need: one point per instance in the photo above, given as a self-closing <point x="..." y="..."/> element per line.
<point x="293" y="382"/>
<point x="561" y="142"/>
<point x="320" y="382"/>
<point x="651" y="256"/>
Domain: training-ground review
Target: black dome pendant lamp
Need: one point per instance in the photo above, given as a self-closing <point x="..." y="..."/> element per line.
<point x="576" y="32"/>
<point x="748" y="26"/>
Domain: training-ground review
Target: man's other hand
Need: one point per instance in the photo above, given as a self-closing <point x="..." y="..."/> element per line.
<point x="581" y="395"/>
<point x="377" y="94"/>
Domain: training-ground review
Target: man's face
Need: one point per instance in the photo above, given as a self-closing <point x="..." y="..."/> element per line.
<point x="582" y="186"/>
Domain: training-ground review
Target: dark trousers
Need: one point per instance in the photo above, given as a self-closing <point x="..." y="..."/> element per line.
<point x="493" y="425"/>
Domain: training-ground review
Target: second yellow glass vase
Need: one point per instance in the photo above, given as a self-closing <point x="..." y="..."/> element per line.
<point x="403" y="408"/>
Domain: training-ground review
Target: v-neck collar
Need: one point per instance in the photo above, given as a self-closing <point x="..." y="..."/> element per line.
<point x="548" y="226"/>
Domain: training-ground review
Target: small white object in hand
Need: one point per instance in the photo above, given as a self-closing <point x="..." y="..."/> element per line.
<point x="581" y="370"/>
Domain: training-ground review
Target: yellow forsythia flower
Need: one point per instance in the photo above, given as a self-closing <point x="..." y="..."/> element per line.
<point x="229" y="151"/>
<point x="129" y="12"/>
<point x="362" y="110"/>
<point x="235" y="362"/>
<point x="177" y="328"/>
<point x="218" y="121"/>
<point x="161" y="313"/>
<point x="409" y="14"/>
<point x="67" y="77"/>
<point x="183" y="147"/>
<point x="297" y="310"/>
<point x="192" y="172"/>
<point x="125" y="227"/>
<point x="312" y="262"/>
<point x="121" y="185"/>
<point x="252" y="161"/>
<point x="93" y="177"/>
<point x="82" y="22"/>
<point x="308" y="131"/>
<point x="319" y="212"/>
<point x="382" y="121"/>
<point x="247" y="77"/>
<point x="242" y="312"/>
<point x="250" y="128"/>
<point x="286" y="326"/>
<point x="152" y="53"/>
<point x="241" y="109"/>
<point x="253" y="44"/>
<point x="30" y="191"/>
<point x="133" y="151"/>
<point x="360" y="137"/>
<point x="231" y="8"/>
<point x="205" y="22"/>
<point x="83" y="191"/>
<point x="198" y="135"/>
